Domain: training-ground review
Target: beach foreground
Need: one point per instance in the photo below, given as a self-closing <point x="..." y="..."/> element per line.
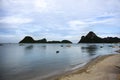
<point x="103" y="68"/>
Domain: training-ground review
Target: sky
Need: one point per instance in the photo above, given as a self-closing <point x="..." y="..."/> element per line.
<point x="58" y="19"/>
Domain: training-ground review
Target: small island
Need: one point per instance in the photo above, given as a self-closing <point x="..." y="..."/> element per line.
<point x="91" y="37"/>
<point x="29" y="39"/>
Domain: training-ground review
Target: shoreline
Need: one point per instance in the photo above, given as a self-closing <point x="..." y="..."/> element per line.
<point x="85" y="69"/>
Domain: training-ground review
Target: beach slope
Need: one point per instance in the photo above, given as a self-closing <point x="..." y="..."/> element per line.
<point x="106" y="68"/>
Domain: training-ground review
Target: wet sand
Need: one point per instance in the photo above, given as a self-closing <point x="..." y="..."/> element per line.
<point x="101" y="68"/>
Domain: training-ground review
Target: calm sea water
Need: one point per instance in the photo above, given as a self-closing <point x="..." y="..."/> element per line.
<point x="39" y="61"/>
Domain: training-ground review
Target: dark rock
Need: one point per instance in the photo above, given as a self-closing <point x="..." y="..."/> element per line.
<point x="111" y="40"/>
<point x="61" y="45"/>
<point x="91" y="37"/>
<point x="57" y="51"/>
<point x="63" y="41"/>
<point x="27" y="39"/>
<point x="41" y="41"/>
<point x="53" y="42"/>
<point x="66" y="41"/>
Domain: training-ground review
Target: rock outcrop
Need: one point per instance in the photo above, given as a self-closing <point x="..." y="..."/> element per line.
<point x="29" y="39"/>
<point x="53" y="42"/>
<point x="66" y="41"/>
<point x="41" y="41"/>
<point x="91" y="37"/>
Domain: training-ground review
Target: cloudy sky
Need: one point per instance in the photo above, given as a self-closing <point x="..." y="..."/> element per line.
<point x="58" y="19"/>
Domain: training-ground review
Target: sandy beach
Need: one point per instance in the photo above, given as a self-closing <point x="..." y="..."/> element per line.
<point x="102" y="68"/>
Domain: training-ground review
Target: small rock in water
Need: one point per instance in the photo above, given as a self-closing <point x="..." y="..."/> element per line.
<point x="57" y="51"/>
<point x="61" y="45"/>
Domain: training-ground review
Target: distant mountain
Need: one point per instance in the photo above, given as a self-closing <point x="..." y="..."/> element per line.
<point x="29" y="39"/>
<point x="91" y="37"/>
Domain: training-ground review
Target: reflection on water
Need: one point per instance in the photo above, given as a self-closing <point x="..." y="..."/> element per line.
<point x="29" y="61"/>
<point x="1" y="44"/>
<point x="90" y="49"/>
<point x="29" y="47"/>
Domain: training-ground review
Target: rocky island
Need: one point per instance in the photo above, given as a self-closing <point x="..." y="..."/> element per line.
<point x="91" y="37"/>
<point x="29" y="39"/>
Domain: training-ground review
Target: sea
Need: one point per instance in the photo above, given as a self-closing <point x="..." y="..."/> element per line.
<point x="41" y="61"/>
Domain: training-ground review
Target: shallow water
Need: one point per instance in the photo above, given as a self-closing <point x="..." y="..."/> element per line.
<point x="32" y="61"/>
